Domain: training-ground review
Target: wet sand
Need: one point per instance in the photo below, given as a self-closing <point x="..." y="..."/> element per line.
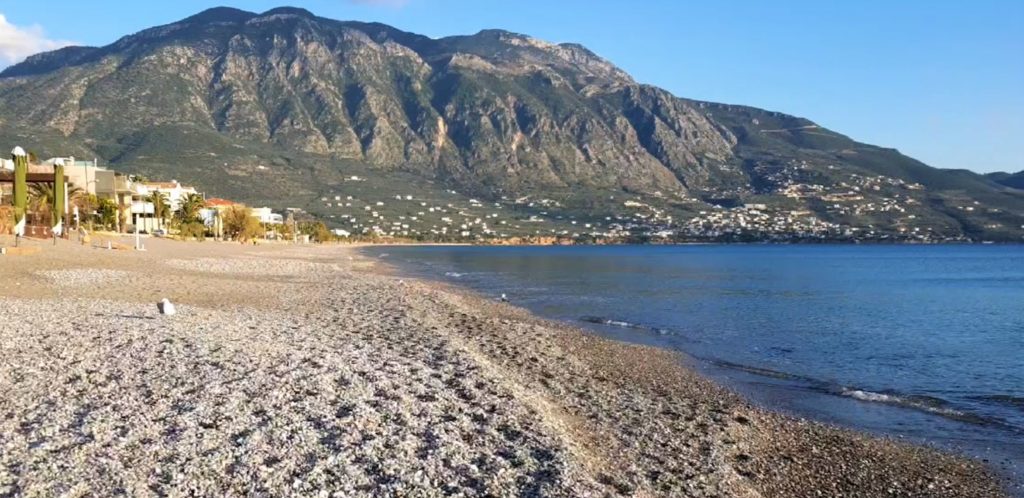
<point x="315" y="371"/>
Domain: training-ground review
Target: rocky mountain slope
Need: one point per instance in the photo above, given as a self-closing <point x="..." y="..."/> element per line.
<point x="281" y="106"/>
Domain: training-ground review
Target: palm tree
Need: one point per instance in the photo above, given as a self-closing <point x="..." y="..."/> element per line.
<point x="41" y="196"/>
<point x="188" y="210"/>
<point x="161" y="207"/>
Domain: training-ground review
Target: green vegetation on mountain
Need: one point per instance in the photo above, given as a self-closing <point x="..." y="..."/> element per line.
<point x="1012" y="180"/>
<point x="280" y="108"/>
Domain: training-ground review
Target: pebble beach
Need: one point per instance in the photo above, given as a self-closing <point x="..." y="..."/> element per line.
<point x="318" y="371"/>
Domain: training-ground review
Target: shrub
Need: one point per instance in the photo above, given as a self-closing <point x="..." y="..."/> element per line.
<point x="316" y="231"/>
<point x="322" y="234"/>
<point x="193" y="230"/>
<point x="240" y="225"/>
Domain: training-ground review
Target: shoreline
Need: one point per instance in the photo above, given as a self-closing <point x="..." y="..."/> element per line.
<point x="775" y="388"/>
<point x="308" y="368"/>
<point x="702" y="367"/>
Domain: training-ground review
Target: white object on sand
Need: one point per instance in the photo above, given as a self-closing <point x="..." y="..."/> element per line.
<point x="503" y="298"/>
<point x="165" y="307"/>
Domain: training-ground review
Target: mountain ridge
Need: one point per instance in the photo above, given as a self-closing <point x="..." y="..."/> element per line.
<point x="495" y="114"/>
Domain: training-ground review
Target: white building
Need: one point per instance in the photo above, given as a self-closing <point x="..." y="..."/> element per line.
<point x="174" y="192"/>
<point x="101" y="182"/>
<point x="266" y="215"/>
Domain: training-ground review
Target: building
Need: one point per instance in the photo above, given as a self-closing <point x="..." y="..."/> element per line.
<point x="174" y="192"/>
<point x="143" y="211"/>
<point x="266" y="215"/>
<point x="86" y="175"/>
<point x="100" y="182"/>
<point x="214" y="210"/>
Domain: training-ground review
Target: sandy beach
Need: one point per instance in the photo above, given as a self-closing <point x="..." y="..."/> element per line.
<point x="316" y="371"/>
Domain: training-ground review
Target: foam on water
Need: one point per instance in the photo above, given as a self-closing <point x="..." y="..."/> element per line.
<point x="934" y="406"/>
<point x="622" y="324"/>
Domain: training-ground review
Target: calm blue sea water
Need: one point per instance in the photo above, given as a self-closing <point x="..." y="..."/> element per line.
<point x="918" y="342"/>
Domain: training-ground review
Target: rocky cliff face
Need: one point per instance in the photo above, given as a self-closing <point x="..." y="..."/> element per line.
<point x="493" y="110"/>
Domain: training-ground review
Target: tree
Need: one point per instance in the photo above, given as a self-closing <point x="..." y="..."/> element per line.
<point x="41" y="197"/>
<point x="87" y="206"/>
<point x="285" y="229"/>
<point x="240" y="225"/>
<point x="107" y="211"/>
<point x="161" y="206"/>
<point x="316" y="231"/>
<point x="321" y="234"/>
<point x="188" y="211"/>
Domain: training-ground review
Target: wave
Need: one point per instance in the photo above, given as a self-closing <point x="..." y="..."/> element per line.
<point x="869" y="396"/>
<point x="453" y="274"/>
<point x="622" y="324"/>
<point x="928" y="404"/>
<point x="924" y="403"/>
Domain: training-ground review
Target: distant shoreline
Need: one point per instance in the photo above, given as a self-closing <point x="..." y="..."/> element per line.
<point x="765" y="243"/>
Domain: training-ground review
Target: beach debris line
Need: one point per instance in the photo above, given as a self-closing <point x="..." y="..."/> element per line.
<point x="166" y="307"/>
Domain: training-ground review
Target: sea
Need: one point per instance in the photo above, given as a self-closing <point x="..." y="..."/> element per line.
<point x="914" y="342"/>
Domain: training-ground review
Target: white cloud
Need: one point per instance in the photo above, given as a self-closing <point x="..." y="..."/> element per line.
<point x="381" y="3"/>
<point x="17" y="43"/>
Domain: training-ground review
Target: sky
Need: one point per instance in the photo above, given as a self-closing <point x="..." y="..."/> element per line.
<point x="940" y="80"/>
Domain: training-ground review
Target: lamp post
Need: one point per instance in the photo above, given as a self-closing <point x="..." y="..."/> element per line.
<point x="20" y="192"/>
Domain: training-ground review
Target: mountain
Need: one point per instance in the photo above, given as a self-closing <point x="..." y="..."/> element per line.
<point x="1012" y="180"/>
<point x="281" y="107"/>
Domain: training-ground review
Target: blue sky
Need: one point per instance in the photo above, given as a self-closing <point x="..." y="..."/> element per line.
<point x="941" y="80"/>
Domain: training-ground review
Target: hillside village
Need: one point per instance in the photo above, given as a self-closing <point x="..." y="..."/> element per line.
<point x="107" y="199"/>
<point x="861" y="208"/>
